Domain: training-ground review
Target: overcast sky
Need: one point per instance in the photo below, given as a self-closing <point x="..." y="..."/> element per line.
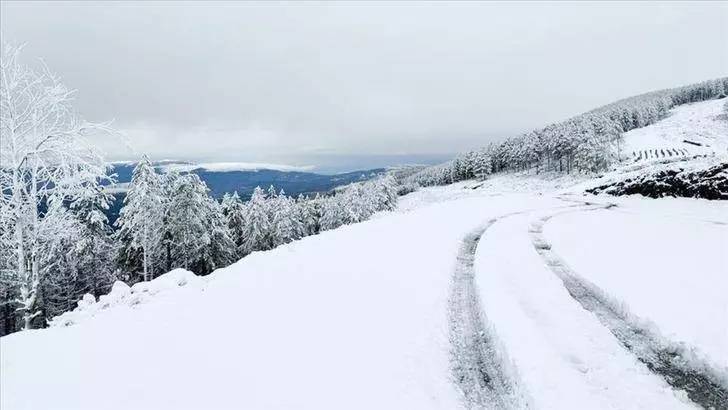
<point x="315" y="83"/>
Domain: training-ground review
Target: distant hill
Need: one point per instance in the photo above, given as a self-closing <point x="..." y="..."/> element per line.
<point x="243" y="179"/>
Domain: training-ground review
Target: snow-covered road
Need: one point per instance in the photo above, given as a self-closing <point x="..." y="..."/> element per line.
<point x="361" y="317"/>
<point x="563" y="354"/>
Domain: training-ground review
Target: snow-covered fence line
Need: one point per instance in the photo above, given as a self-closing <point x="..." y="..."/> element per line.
<point x="657" y="153"/>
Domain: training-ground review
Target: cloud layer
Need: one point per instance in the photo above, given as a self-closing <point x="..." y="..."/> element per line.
<point x="295" y="82"/>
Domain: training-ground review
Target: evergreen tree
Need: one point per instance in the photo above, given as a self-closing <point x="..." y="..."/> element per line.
<point x="257" y="232"/>
<point x="285" y="224"/>
<point x="332" y="213"/>
<point x="308" y="215"/>
<point x="141" y="219"/>
<point x="234" y="211"/>
<point x="199" y="235"/>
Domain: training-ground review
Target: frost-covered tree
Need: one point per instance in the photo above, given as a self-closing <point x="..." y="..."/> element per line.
<point x="309" y="214"/>
<point x="95" y="248"/>
<point x="141" y="220"/>
<point x="358" y="203"/>
<point x="333" y="214"/>
<point x="46" y="164"/>
<point x="81" y="258"/>
<point x="385" y="189"/>
<point x="198" y="233"/>
<point x="589" y="142"/>
<point x="234" y="211"/>
<point x="286" y="226"/>
<point x="257" y="232"/>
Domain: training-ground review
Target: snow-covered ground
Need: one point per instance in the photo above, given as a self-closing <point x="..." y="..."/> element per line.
<point x="700" y="122"/>
<point x="357" y="317"/>
<point x="351" y="318"/>
<point x="667" y="260"/>
<point x="362" y="316"/>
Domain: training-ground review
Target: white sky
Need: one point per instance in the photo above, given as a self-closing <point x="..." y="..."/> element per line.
<point x="307" y="83"/>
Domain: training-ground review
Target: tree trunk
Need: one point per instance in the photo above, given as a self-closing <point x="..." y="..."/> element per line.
<point x="144" y="250"/>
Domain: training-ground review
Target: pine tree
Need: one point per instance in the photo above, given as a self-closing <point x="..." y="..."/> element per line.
<point x="234" y="211"/>
<point x="257" y="232"/>
<point x="308" y="214"/>
<point x="96" y="247"/>
<point x="199" y="235"/>
<point x="141" y="219"/>
<point x="332" y="213"/>
<point x="285" y="224"/>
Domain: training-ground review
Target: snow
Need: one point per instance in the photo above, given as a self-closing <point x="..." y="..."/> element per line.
<point x="357" y="317"/>
<point x="351" y="318"/>
<point x="702" y="122"/>
<point x="354" y="317"/>
<point x="122" y="296"/>
<point x="563" y="354"/>
<point x="666" y="261"/>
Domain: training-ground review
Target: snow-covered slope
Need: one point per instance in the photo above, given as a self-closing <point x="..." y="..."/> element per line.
<point x="351" y="318"/>
<point x="703" y="122"/>
<point x="666" y="259"/>
<point x="358" y="317"/>
<point x="517" y="292"/>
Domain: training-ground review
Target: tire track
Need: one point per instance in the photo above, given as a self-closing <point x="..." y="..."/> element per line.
<point x="476" y="356"/>
<point x="703" y="384"/>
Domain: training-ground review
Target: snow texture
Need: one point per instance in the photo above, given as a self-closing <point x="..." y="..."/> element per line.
<point x="679" y="250"/>
<point x="701" y="122"/>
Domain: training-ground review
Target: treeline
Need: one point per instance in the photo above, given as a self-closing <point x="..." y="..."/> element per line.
<point x="590" y="142"/>
<point x="169" y="221"/>
<point x="55" y="240"/>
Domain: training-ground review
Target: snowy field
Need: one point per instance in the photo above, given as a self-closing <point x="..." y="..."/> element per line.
<point x="351" y="318"/>
<point x="571" y="295"/>
<point x="666" y="260"/>
<point x="699" y="122"/>
<point x="357" y="317"/>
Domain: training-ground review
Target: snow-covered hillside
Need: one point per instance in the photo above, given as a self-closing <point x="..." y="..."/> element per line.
<point x="361" y="317"/>
<point x="519" y="291"/>
<point x="702" y="123"/>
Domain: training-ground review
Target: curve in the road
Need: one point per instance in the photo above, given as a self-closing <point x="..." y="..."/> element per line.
<point x="476" y="357"/>
<point x="703" y="385"/>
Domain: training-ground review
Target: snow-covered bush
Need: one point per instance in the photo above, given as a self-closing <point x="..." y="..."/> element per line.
<point x="122" y="295"/>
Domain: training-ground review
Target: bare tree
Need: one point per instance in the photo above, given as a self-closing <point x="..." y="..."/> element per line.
<point x="45" y="165"/>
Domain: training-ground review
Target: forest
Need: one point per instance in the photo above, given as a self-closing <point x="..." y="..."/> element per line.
<point x="587" y="143"/>
<point x="56" y="243"/>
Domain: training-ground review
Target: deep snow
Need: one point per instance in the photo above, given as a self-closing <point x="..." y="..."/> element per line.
<point x="351" y="318"/>
<point x="666" y="261"/>
<point x="358" y="317"/>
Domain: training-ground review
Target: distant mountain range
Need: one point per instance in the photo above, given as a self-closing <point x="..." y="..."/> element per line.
<point x="243" y="178"/>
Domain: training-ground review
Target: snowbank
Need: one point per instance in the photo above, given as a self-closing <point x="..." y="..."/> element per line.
<point x="123" y="295"/>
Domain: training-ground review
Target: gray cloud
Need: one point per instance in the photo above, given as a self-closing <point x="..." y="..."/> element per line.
<point x="297" y="82"/>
